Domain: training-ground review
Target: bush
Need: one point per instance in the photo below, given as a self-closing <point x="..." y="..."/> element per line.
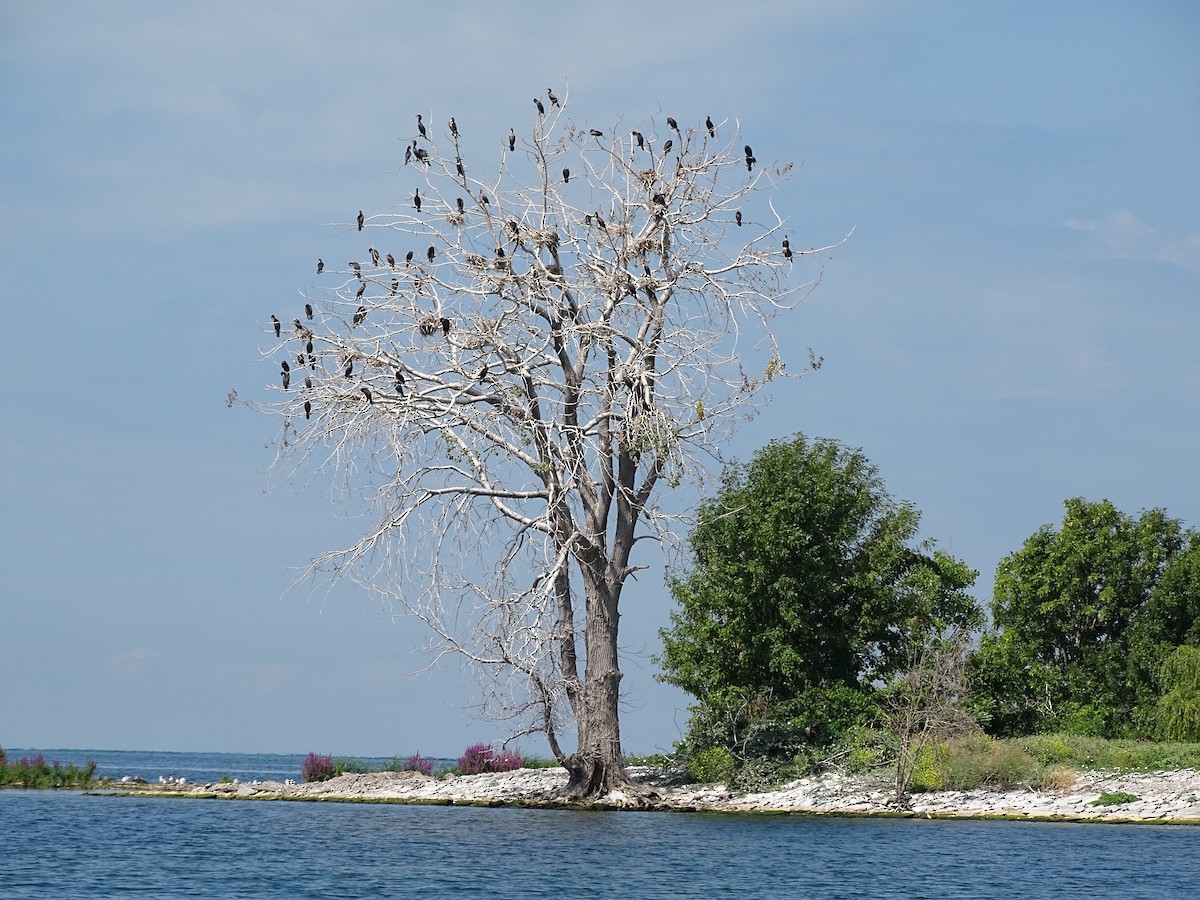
<point x="344" y="764"/>
<point x="35" y="772"/>
<point x="480" y="758"/>
<point x="1055" y="778"/>
<point x="317" y="768"/>
<point x="711" y="766"/>
<point x="929" y="769"/>
<point x="1177" y="714"/>
<point x="418" y="763"/>
<point x="980" y="761"/>
<point x="1115" y="798"/>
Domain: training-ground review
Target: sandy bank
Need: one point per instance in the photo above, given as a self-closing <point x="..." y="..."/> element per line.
<point x="1163" y="796"/>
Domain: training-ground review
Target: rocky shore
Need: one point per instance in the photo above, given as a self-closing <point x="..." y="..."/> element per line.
<point x="1160" y="796"/>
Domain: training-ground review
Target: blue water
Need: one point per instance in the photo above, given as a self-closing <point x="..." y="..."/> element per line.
<point x="72" y="845"/>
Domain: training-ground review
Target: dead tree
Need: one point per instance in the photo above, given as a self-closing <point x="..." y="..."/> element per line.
<point x="510" y="390"/>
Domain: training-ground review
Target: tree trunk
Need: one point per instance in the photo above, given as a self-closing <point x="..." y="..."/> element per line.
<point x="597" y="767"/>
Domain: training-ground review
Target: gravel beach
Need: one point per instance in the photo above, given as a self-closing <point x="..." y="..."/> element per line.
<point x="1161" y="796"/>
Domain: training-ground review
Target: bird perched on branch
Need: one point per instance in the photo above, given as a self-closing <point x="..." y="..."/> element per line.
<point x="566" y="176"/>
<point x="738" y="218"/>
<point x="275" y="322"/>
<point x="420" y="126"/>
<point x="430" y="253"/>
<point x="391" y="260"/>
<point x="320" y="266"/>
<point x="417" y="199"/>
<point x="750" y="160"/>
<point x="596" y="132"/>
<point x="453" y="127"/>
<point x="787" y="248"/>
<point x="307" y="410"/>
<point x="550" y="94"/>
<point x="308" y="311"/>
<point x="407" y="154"/>
<point x="361" y="288"/>
<point x="357" y="269"/>
<point x="667" y="146"/>
<point x="361" y="219"/>
<point x="374" y="256"/>
<point x="359" y="316"/>
<point x="541" y="109"/>
<point x="366" y="392"/>
<point x="641" y="140"/>
<point x="446" y="326"/>
<point x="708" y="123"/>
<point x="459" y="204"/>
<point x="512" y="140"/>
<point x="672" y="124"/>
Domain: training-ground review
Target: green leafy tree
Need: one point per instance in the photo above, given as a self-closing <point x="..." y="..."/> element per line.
<point x="806" y="588"/>
<point x="1057" y="656"/>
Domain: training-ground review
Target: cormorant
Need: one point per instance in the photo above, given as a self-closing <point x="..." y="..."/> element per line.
<point x="512" y="140"/>
<point x="640" y="139"/>
<point x="595" y="132"/>
<point x="299" y="327"/>
<point x="459" y="166"/>
<point x="667" y="147"/>
<point x="672" y="124"/>
<point x="421" y="154"/>
<point x="445" y="326"/>
<point x="459" y="203"/>
<point x="399" y="382"/>
<point x="361" y="219"/>
<point x="750" y="160"/>
<point x="408" y="258"/>
<point x="287" y="378"/>
<point x="320" y="266"/>
<point x="361" y="288"/>
<point x="308" y="348"/>
<point x="407" y="154"/>
<point x="566" y="176"/>
<point x="787" y="249"/>
<point x="307" y="410"/>
<point x="483" y="198"/>
<point x="395" y="286"/>
<point x="308" y="311"/>
<point x="359" y="316"/>
<point x="541" y="109"/>
<point x="349" y="368"/>
<point x="277" y="325"/>
<point x="660" y="199"/>
<point x="712" y="129"/>
<point x="308" y="382"/>
<point x="374" y="256"/>
<point x="430" y="253"/>
<point x="738" y="218"/>
<point x="550" y="94"/>
<point x="600" y="221"/>
<point x="366" y="392"/>
<point x="453" y="127"/>
<point x="284" y="365"/>
<point x="391" y="260"/>
<point x="420" y="125"/>
<point x="356" y="267"/>
<point x="417" y="200"/>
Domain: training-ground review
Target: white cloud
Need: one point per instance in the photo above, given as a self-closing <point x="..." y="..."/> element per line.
<point x="1128" y="237"/>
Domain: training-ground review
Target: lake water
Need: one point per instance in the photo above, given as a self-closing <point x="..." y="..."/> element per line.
<point x="72" y="845"/>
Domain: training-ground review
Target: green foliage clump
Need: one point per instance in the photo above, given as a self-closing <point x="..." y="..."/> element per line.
<point x="35" y="772"/>
<point x="980" y="761"/>
<point x="1115" y="798"/>
<point x="711" y="766"/>
<point x="344" y="764"/>
<point x="1178" y="711"/>
<point x="930" y="768"/>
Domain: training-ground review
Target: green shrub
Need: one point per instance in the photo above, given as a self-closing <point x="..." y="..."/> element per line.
<point x="711" y="766"/>
<point x="344" y="764"/>
<point x="759" y="775"/>
<point x="930" y="768"/>
<point x="1115" y="798"/>
<point x="1177" y="714"/>
<point x="980" y="761"/>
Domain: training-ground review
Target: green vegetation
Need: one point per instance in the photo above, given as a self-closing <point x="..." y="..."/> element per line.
<point x="806" y="593"/>
<point x="1115" y="798"/>
<point x="35" y="772"/>
<point x="1178" y="712"/>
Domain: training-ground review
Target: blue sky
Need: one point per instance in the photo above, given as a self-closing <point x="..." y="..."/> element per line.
<point x="1015" y="320"/>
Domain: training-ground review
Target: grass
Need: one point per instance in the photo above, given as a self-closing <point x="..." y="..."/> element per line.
<point x="1115" y="798"/>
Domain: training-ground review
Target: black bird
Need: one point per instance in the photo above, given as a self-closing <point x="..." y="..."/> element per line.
<point x="750" y="160"/>
<point x="417" y="200"/>
<point x="399" y="382"/>
<point x="374" y="256"/>
<point x="320" y="266"/>
<point x="408" y="258"/>
<point x="566" y="176"/>
<point x="299" y="327"/>
<point x="637" y="135"/>
<point x="541" y="109"/>
<point x="362" y="287"/>
<point x="660" y="199"/>
<point x="600" y="222"/>
<point x="287" y="378"/>
<point x="453" y="127"/>
<point x="308" y="348"/>
<point x="277" y="325"/>
<point x="299" y="359"/>
<point x="361" y="219"/>
<point x="420" y="125"/>
<point x="787" y="249"/>
<point x="284" y="365"/>
<point x="366" y="392"/>
<point x="395" y="286"/>
<point x="500" y="252"/>
<point x="596" y="133"/>
<point x="672" y="124"/>
<point x="308" y="382"/>
<point x="459" y="166"/>
<point x="460" y="204"/>
<point x="391" y="260"/>
<point x="356" y="267"/>
<point x="445" y="326"/>
<point x="667" y="147"/>
<point x="349" y="368"/>
<point x="308" y="311"/>
<point x="359" y="316"/>
<point x="483" y="373"/>
<point x="712" y="129"/>
<point x="550" y="94"/>
<point x="421" y="154"/>
<point x="430" y="253"/>
<point x="483" y="198"/>
<point x="512" y="140"/>
<point x="307" y="410"/>
<point x="407" y="154"/>
<point x="738" y="218"/>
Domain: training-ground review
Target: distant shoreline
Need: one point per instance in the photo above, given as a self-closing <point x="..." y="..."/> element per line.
<point x="1158" y="797"/>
